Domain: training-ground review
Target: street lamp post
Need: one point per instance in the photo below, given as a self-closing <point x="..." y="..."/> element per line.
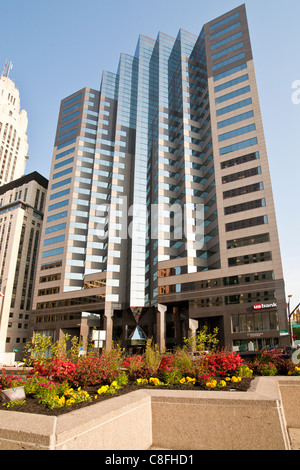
<point x="290" y="314"/>
<point x="290" y="323"/>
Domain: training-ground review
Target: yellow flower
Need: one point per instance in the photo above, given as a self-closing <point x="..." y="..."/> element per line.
<point x="212" y="384"/>
<point x="222" y="383"/>
<point x="154" y="380"/>
<point x="227" y="379"/>
<point x="234" y="379"/>
<point x="182" y="381"/>
<point x="190" y="380"/>
<point x="142" y="381"/>
<point x="61" y="401"/>
<point x="95" y="397"/>
<point x="70" y="401"/>
<point x="103" y="389"/>
<point x="114" y="384"/>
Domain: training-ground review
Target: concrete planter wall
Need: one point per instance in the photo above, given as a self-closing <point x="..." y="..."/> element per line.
<point x="163" y="419"/>
<point x="12" y="394"/>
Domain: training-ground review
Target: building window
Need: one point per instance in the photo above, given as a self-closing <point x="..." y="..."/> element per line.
<point x="249" y="259"/>
<point x="242" y="224"/>
<point x="248" y="241"/>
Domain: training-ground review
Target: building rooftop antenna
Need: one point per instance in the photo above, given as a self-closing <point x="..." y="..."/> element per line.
<point x="7" y="68"/>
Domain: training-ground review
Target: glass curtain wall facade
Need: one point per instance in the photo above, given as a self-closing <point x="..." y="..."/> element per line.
<point x="148" y="220"/>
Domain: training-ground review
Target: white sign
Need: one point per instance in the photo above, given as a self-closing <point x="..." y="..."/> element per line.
<point x="99" y="335"/>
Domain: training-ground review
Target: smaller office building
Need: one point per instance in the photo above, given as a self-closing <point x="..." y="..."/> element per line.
<point x="21" y="215"/>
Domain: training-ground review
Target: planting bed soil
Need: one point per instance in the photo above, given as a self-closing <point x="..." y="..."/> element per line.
<point x="32" y="405"/>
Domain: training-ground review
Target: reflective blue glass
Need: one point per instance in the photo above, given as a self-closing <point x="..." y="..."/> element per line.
<point x="61" y="183"/>
<point x="59" y="194"/>
<point x="233" y="94"/>
<point x="67" y="110"/>
<point x="238" y="146"/>
<point x="227" y="40"/>
<point x="67" y="134"/>
<point x="226" y="51"/>
<point x="234" y="106"/>
<point x="60" y="215"/>
<point x="67" y="118"/>
<point x="229" y="61"/>
<point x="65" y="153"/>
<point x="63" y="163"/>
<point x="226" y="20"/>
<point x="224" y="31"/>
<point x="230" y="72"/>
<point x="61" y="173"/>
<point x="56" y="228"/>
<point x="71" y="100"/>
<point x="48" y="253"/>
<point x="58" y="204"/>
<point x="236" y="132"/>
<point x="231" y="83"/>
<point x="66" y="144"/>
<point x="233" y="120"/>
<point x="53" y="240"/>
<point x="67" y="126"/>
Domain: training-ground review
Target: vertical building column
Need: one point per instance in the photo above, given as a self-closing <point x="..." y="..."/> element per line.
<point x="108" y="325"/>
<point x="161" y="326"/>
<point x="193" y="325"/>
<point x="84" y="334"/>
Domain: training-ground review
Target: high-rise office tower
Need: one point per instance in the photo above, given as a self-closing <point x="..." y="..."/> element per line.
<point x="22" y="203"/>
<point x="13" y="130"/>
<point x="160" y="216"/>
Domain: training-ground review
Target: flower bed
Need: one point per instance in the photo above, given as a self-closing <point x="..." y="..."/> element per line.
<point x="61" y="384"/>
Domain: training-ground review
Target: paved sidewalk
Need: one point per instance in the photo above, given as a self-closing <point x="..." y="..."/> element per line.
<point x="294" y="438"/>
<point x="290" y="395"/>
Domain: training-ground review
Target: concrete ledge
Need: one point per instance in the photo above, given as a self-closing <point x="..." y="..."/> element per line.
<point x="220" y="421"/>
<point x="163" y="419"/>
<point x="289" y="388"/>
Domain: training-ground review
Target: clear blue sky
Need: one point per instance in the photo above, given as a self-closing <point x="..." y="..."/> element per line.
<point x="60" y="46"/>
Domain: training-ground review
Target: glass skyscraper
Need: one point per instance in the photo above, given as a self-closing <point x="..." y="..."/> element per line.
<point x="160" y="211"/>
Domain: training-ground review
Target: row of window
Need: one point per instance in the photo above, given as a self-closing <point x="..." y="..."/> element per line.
<point x="235" y="58"/>
<point x="255" y="322"/>
<point x="237" y="132"/>
<point x="239" y="146"/>
<point x="240" y="160"/>
<point x="233" y="94"/>
<point x="226" y="30"/>
<point x="248" y="241"/>
<point x="235" y="119"/>
<point x="241" y="175"/>
<point x="247" y="223"/>
<point x="228" y="50"/>
<point x="219" y="301"/>
<point x="250" y="259"/>
<point x="226" y="40"/>
<point x="224" y="21"/>
<point x="232" y="71"/>
<point x="71" y="302"/>
<point x="244" y="206"/>
<point x="233" y="107"/>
